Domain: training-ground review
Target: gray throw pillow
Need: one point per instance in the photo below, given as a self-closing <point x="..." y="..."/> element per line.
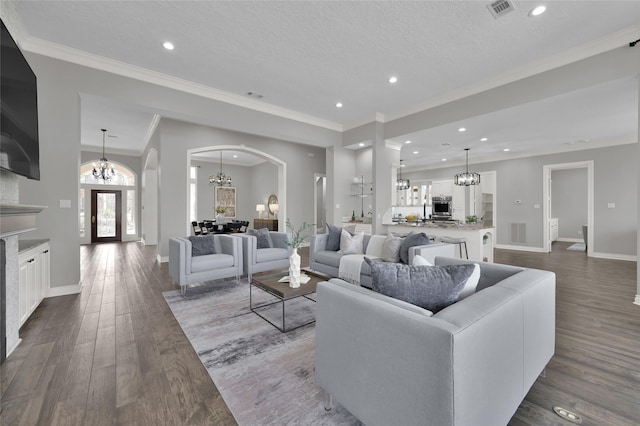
<point x="333" y="240"/>
<point x="263" y="236"/>
<point x="412" y="240"/>
<point x="391" y="248"/>
<point x="202" y="245"/>
<point x="430" y="287"/>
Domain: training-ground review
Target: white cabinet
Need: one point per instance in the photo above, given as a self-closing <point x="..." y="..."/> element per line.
<point x="442" y="187"/>
<point x="458" y="203"/>
<point x="34" y="277"/>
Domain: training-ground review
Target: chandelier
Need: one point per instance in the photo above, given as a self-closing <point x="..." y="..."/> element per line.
<point x="466" y="178"/>
<point x="105" y="172"/>
<point x="220" y="179"/>
<point x="401" y="183"/>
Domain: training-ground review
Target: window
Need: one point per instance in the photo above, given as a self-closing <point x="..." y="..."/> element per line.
<point x="131" y="212"/>
<point x="123" y="177"/>
<point x="193" y="194"/>
<point x="81" y="213"/>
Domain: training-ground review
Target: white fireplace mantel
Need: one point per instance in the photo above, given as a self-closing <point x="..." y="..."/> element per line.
<point x="17" y="218"/>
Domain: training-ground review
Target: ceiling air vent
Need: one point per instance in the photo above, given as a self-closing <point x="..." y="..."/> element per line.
<point x="500" y="8"/>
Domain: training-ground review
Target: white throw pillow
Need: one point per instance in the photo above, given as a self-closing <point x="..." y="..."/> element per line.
<point x="421" y="261"/>
<point x="351" y="244"/>
<point x="391" y="249"/>
<point x="471" y="284"/>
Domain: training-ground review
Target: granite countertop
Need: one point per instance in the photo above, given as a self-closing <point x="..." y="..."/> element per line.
<point x="24" y="245"/>
<point x="453" y="225"/>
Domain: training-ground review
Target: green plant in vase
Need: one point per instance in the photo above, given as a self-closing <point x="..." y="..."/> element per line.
<point x="298" y="236"/>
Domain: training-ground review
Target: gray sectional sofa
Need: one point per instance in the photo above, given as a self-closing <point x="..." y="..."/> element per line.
<point x="327" y="262"/>
<point x="472" y="363"/>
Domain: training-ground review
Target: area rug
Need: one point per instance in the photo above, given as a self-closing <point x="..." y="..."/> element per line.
<point x="577" y="247"/>
<point x="266" y="377"/>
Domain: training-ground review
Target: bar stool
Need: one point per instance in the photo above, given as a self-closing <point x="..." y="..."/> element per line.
<point x="459" y="241"/>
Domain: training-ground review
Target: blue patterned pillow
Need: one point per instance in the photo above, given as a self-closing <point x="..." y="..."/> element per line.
<point x="263" y="236"/>
<point x="333" y="240"/>
<point x="430" y="287"/>
<point x="201" y="245"/>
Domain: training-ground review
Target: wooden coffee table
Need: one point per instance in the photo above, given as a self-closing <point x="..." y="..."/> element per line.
<point x="268" y="282"/>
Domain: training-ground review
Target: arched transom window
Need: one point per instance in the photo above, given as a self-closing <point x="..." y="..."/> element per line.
<point x="123" y="177"/>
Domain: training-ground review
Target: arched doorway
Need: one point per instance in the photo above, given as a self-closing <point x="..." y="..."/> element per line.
<point x="280" y="165"/>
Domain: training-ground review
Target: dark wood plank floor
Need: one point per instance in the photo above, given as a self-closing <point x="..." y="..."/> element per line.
<point x="115" y="355"/>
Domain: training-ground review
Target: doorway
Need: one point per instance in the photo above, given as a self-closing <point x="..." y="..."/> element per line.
<point x="319" y="202"/>
<point x="548" y="196"/>
<point x="106" y="216"/>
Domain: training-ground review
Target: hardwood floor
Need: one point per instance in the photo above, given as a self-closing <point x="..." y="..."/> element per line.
<point x="114" y="354"/>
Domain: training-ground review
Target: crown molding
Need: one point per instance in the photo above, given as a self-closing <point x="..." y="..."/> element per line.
<point x="76" y="56"/>
<point x="609" y="42"/>
<point x="111" y="151"/>
<point x="150" y="131"/>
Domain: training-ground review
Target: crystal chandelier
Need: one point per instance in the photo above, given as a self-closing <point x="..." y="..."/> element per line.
<point x="401" y="183"/>
<point x="105" y="172"/>
<point x="466" y="178"/>
<point x="220" y="179"/>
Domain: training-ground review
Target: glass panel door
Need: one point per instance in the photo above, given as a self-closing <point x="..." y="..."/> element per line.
<point x="106" y="215"/>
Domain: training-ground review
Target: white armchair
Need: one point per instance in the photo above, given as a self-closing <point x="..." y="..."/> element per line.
<point x="186" y="269"/>
<point x="265" y="259"/>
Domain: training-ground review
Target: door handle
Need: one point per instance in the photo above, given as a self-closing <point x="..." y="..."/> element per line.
<point x="93" y="219"/>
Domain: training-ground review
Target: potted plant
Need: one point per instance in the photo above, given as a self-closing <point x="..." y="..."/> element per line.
<point x="298" y="236"/>
<point x="220" y="219"/>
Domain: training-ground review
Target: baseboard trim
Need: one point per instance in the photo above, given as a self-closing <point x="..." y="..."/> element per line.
<point x="520" y="248"/>
<point x="637" y="301"/>
<point x="571" y="240"/>
<point x="162" y="259"/>
<point x="9" y="351"/>
<point x="64" y="290"/>
<point x="614" y="256"/>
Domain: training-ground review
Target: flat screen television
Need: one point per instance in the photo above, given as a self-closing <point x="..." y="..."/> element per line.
<point x="19" y="147"/>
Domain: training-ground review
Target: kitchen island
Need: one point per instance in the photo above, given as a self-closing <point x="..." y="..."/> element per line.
<point x="480" y="248"/>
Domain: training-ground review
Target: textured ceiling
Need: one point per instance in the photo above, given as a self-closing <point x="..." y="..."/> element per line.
<point x="306" y="56"/>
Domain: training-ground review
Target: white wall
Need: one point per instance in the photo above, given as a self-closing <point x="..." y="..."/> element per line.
<point x="177" y="137"/>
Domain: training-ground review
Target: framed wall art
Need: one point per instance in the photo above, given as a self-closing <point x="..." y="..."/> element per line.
<point x="225" y="196"/>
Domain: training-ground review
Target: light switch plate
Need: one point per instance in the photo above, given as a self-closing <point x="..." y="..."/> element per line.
<point x="611" y="205"/>
<point x="65" y="204"/>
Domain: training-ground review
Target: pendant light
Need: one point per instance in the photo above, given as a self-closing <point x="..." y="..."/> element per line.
<point x="106" y="171"/>
<point x="401" y="183"/>
<point x="466" y="178"/>
<point x="220" y="179"/>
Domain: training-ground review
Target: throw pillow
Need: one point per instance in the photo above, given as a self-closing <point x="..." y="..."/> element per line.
<point x="421" y="261"/>
<point x="333" y="240"/>
<point x="472" y="282"/>
<point x="412" y="240"/>
<point x="351" y="244"/>
<point x="430" y="287"/>
<point x="202" y="245"/>
<point x="391" y="249"/>
<point x="263" y="236"/>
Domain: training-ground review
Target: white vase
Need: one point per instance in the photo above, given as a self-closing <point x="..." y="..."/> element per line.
<point x="294" y="269"/>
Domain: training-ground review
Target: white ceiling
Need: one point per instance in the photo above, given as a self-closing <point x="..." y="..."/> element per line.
<point x="306" y="56"/>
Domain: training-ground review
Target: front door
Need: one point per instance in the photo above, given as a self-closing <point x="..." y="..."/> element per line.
<point x="106" y="216"/>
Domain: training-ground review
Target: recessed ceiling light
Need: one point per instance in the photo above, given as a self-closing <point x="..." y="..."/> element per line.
<point x="393" y="79"/>
<point x="462" y="129"/>
<point x="444" y="159"/>
<point x="167" y="45"/>
<point x="506" y="150"/>
<point x="538" y="10"/>
<point x="415" y="152"/>
<point x="483" y="140"/>
<point x="339" y="105"/>
<point x="407" y="141"/>
<point x="235" y="155"/>
<point x="361" y="144"/>
<point x="401" y="165"/>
